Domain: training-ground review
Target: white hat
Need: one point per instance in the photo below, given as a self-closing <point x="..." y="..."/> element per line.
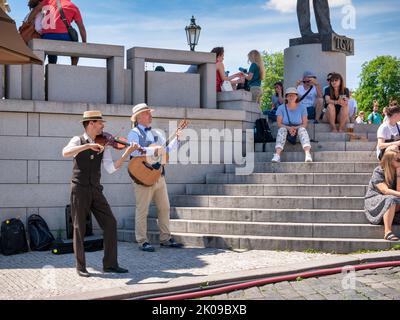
<point x="138" y="109"/>
<point x="291" y="90"/>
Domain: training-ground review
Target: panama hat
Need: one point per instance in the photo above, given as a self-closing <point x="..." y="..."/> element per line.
<point x="291" y="90"/>
<point x="138" y="109"/>
<point x="92" y="116"/>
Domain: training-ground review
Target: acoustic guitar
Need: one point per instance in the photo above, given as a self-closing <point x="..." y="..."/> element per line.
<point x="147" y="170"/>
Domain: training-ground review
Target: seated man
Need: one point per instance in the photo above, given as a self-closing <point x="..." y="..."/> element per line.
<point x="310" y="95"/>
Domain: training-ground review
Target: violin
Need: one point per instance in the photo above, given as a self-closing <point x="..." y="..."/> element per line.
<point x="118" y="143"/>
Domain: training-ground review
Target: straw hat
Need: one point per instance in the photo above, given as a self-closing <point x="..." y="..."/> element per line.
<point x="93" y="115"/>
<point x="291" y="90"/>
<point x="138" y="109"/>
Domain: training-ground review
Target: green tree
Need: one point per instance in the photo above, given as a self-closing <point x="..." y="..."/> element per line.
<point x="379" y="80"/>
<point x="273" y="72"/>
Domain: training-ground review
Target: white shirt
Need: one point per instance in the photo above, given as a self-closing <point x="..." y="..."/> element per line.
<point x="134" y="137"/>
<point x="308" y="101"/>
<point x="352" y="107"/>
<point x="388" y="132"/>
<point x="38" y="22"/>
<point x="108" y="162"/>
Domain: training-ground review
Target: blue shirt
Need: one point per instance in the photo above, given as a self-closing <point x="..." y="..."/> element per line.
<point x="153" y="136"/>
<point x="296" y="116"/>
<point x="256" y="81"/>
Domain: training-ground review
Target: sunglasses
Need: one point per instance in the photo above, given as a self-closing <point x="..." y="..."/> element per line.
<point x="335" y="80"/>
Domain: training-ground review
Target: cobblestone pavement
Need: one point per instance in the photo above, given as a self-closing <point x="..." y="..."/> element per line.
<point x="380" y="284"/>
<point x="39" y="275"/>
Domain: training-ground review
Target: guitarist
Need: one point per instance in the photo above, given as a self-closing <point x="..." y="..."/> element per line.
<point x="87" y="192"/>
<point x="143" y="135"/>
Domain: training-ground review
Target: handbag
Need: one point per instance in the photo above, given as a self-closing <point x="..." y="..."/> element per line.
<point x="71" y="31"/>
<point x="28" y="31"/>
<point x="226" y="86"/>
<point x="291" y="139"/>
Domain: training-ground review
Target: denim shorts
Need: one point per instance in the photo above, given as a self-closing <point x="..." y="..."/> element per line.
<point x="55" y="36"/>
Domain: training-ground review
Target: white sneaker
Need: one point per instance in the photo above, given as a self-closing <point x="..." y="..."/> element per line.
<point x="276" y="158"/>
<point x="308" y="157"/>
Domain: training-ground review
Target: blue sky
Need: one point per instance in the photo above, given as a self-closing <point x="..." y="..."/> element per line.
<point x="237" y="25"/>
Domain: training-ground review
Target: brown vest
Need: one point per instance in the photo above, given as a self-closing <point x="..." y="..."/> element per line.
<point x="87" y="167"/>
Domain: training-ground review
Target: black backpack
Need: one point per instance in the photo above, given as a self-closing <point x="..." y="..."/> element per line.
<point x="40" y="237"/>
<point x="13" y="237"/>
<point x="262" y="132"/>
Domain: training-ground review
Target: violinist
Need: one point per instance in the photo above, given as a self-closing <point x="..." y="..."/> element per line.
<point x="87" y="192"/>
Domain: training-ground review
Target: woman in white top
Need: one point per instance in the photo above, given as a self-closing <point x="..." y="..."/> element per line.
<point x="389" y="131"/>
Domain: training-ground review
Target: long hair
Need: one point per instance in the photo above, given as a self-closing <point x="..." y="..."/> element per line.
<point x="280" y="84"/>
<point x="341" y="88"/>
<point x="255" y="57"/>
<point x="219" y="51"/>
<point x="386" y="164"/>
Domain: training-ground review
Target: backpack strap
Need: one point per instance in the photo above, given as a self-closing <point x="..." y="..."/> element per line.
<point x="306" y="94"/>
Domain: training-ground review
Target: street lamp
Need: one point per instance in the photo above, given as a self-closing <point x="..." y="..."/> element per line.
<point x="193" y="33"/>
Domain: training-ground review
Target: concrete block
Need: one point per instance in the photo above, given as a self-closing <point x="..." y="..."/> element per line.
<point x="13" y="84"/>
<point x="27" y="82"/>
<point x="78" y="49"/>
<point x="13" y="124"/>
<point x="32" y="148"/>
<point x="33" y="172"/>
<point x="60" y="125"/>
<point x="77" y="84"/>
<point x="33" y="124"/>
<point x="13" y="171"/>
<point x="55" y="218"/>
<point x="170" y="89"/>
<point x="138" y="79"/>
<point x="231" y="115"/>
<point x="34" y="196"/>
<point x="240" y="105"/>
<point x="38" y="83"/>
<point x="170" y="56"/>
<point x="208" y="79"/>
<point x="7" y="105"/>
<point x="115" y="80"/>
<point x="236" y="95"/>
<point x="60" y="107"/>
<point x="2" y="81"/>
<point x="299" y="58"/>
<point x="128" y="86"/>
<point x="10" y="213"/>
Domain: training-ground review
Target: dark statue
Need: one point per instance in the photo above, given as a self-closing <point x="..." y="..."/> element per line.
<point x="322" y="16"/>
<point x="330" y="40"/>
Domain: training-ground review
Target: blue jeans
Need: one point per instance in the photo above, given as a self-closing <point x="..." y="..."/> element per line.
<point x="55" y="36"/>
<point x="271" y="114"/>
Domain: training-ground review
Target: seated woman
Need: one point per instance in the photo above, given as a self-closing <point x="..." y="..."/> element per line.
<point x="221" y="76"/>
<point x="381" y="198"/>
<point x="389" y="132"/>
<point x="336" y="98"/>
<point x="277" y="100"/>
<point x="255" y="75"/>
<point x="292" y="122"/>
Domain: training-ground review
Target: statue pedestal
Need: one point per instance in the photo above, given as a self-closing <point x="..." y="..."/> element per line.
<point x="311" y="57"/>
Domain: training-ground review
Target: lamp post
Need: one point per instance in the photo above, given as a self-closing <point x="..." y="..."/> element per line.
<point x="193" y="33"/>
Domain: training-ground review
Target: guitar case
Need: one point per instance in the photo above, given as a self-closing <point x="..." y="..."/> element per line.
<point x="91" y="244"/>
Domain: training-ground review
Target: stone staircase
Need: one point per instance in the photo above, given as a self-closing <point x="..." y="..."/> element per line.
<point x="292" y="205"/>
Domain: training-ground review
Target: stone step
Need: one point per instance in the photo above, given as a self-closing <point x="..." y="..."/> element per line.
<point x="331" y="245"/>
<point x="261" y="215"/>
<point x="320" y="156"/>
<point x="291" y="178"/>
<point x="315" y="167"/>
<point x="276" y="190"/>
<point x="263" y="202"/>
<point x="275" y="229"/>
<point x="325" y="127"/>
<point x="322" y="146"/>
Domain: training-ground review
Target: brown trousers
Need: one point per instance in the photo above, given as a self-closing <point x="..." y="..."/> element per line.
<point x="83" y="201"/>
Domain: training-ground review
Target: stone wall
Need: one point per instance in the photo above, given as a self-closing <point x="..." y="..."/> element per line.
<point x="34" y="177"/>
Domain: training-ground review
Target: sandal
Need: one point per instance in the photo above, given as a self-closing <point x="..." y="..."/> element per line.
<point x="391" y="237"/>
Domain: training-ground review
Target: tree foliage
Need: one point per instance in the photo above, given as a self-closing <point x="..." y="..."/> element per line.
<point x="273" y="72"/>
<point x="379" y="80"/>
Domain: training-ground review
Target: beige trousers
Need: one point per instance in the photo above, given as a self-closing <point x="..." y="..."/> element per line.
<point x="144" y="196"/>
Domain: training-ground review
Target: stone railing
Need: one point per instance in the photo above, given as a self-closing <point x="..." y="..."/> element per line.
<point x="113" y="84"/>
<point x="173" y="89"/>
